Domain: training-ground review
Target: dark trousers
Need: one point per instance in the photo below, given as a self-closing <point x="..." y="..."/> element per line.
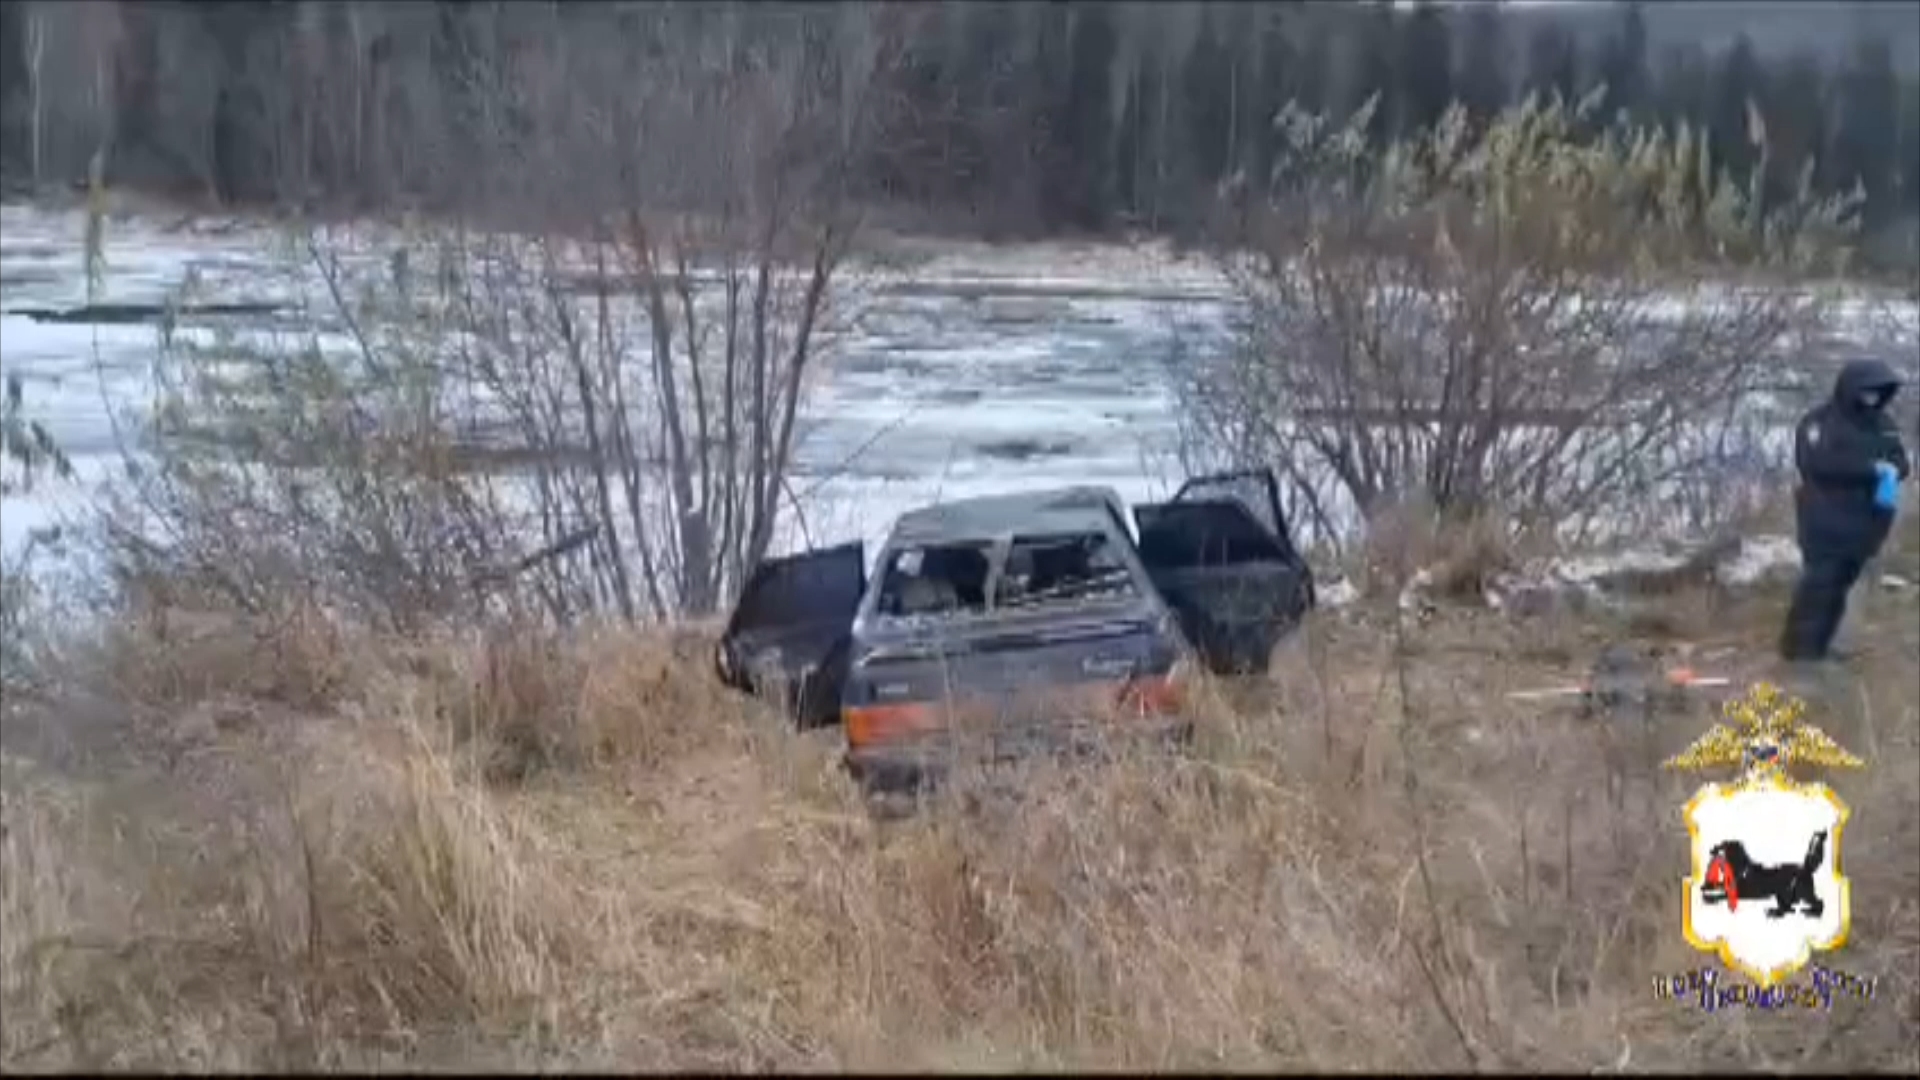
<point x="1819" y="603"/>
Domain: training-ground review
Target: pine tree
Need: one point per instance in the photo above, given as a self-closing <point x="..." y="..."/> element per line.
<point x="1553" y="61"/>
<point x="1907" y="151"/>
<point x="1868" y="118"/>
<point x="1241" y="44"/>
<point x="1129" y="147"/>
<point x="1313" y="47"/>
<point x="1796" y="113"/>
<point x="1739" y="83"/>
<point x="1378" y="73"/>
<point x="241" y="139"/>
<point x="1275" y="83"/>
<point x="1426" y="67"/>
<point x="1082" y="133"/>
<point x="1685" y="85"/>
<point x="1206" y="90"/>
<point x="1904" y="219"/>
<point x="1482" y="79"/>
<point x="1624" y="66"/>
<point x="13" y="87"/>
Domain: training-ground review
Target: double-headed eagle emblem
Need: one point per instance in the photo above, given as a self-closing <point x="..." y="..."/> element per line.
<point x="1762" y="735"/>
<point x="1766" y="889"/>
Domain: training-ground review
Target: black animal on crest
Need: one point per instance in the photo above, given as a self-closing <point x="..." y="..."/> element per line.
<point x="1734" y="877"/>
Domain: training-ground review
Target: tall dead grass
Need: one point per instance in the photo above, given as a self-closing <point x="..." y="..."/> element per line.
<point x="520" y="849"/>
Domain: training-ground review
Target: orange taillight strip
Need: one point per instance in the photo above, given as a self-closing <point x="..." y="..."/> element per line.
<point x="868" y="724"/>
<point x="1154" y="695"/>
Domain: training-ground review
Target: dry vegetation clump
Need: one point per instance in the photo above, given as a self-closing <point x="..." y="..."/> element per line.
<point x="521" y="849"/>
<point x="1461" y="554"/>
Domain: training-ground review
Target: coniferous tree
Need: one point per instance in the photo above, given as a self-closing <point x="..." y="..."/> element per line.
<point x="1206" y="85"/>
<point x="1313" y="45"/>
<point x="1276" y="82"/>
<point x="1482" y="79"/>
<point x="1042" y="114"/>
<point x="1083" y="129"/>
<point x="1553" y="62"/>
<point x="1376" y="72"/>
<point x="1738" y="84"/>
<point x="1907" y="151"/>
<point x="13" y="87"/>
<point x="915" y="158"/>
<point x="239" y="127"/>
<point x="1796" y="113"/>
<point x="1624" y="64"/>
<point x="1129" y="148"/>
<point x="987" y="126"/>
<point x="1425" y="68"/>
<point x="1241" y="45"/>
<point x="1868" y="119"/>
<point x="1686" y="85"/>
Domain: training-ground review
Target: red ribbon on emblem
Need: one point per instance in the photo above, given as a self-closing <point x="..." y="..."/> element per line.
<point x="1721" y="874"/>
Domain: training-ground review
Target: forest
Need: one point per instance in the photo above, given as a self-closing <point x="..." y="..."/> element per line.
<point x="998" y="118"/>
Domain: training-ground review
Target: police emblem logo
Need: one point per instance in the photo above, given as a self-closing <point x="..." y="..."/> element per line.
<point x="1766" y="889"/>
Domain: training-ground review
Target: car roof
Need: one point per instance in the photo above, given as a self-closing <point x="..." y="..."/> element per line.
<point x="1066" y="509"/>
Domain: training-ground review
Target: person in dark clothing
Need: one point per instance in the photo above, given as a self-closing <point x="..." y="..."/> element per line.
<point x="1843" y="448"/>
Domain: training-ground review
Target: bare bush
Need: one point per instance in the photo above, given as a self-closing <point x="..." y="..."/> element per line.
<point x="594" y="412"/>
<point x="1526" y="317"/>
<point x="28" y="455"/>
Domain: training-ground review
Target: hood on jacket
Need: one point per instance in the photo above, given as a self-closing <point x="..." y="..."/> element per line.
<point x="1861" y="376"/>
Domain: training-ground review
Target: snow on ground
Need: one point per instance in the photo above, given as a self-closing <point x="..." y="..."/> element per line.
<point x="1760" y="557"/>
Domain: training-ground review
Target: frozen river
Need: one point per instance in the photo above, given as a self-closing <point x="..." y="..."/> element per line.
<point x="979" y="369"/>
<point x="983" y="369"/>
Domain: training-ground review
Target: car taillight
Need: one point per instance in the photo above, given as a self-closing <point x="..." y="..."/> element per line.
<point x="1156" y="695"/>
<point x="869" y="724"/>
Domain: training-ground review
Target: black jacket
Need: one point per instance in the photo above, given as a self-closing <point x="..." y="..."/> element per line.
<point x="1835" y="448"/>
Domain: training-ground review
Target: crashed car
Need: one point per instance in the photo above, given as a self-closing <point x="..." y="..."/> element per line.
<point x="1027" y="611"/>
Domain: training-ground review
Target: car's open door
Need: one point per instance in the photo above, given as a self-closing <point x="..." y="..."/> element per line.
<point x="788" y="633"/>
<point x="1221" y="554"/>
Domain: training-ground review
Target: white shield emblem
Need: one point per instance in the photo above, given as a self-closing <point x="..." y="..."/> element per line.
<point x="1766" y="889"/>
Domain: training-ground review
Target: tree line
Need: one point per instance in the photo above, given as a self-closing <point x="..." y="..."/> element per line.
<point x="1005" y="116"/>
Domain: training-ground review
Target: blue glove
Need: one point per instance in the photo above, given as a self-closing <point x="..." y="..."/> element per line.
<point x="1886" y="489"/>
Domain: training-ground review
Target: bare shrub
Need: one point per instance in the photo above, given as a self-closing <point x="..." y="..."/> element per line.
<point x="1461" y="555"/>
<point x="594" y="413"/>
<point x="1526" y="317"/>
<point x="29" y="456"/>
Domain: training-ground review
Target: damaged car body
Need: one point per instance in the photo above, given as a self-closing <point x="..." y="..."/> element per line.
<point x="1012" y="622"/>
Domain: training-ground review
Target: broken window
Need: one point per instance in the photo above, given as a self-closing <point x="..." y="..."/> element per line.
<point x="939" y="579"/>
<point x="1062" y="568"/>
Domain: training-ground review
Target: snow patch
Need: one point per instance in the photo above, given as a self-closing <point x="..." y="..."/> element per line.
<point x="1591" y="569"/>
<point x="1758" y="558"/>
<point x="1337" y="595"/>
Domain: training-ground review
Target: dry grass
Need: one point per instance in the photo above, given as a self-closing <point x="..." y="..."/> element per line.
<point x="520" y="850"/>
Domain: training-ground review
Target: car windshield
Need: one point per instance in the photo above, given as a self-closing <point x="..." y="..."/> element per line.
<point x="1062" y="569"/>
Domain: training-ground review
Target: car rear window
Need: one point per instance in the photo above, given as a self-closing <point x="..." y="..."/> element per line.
<point x="1063" y="568"/>
<point x="935" y="579"/>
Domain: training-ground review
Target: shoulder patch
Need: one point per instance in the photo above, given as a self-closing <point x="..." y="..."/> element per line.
<point x="1813" y="433"/>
